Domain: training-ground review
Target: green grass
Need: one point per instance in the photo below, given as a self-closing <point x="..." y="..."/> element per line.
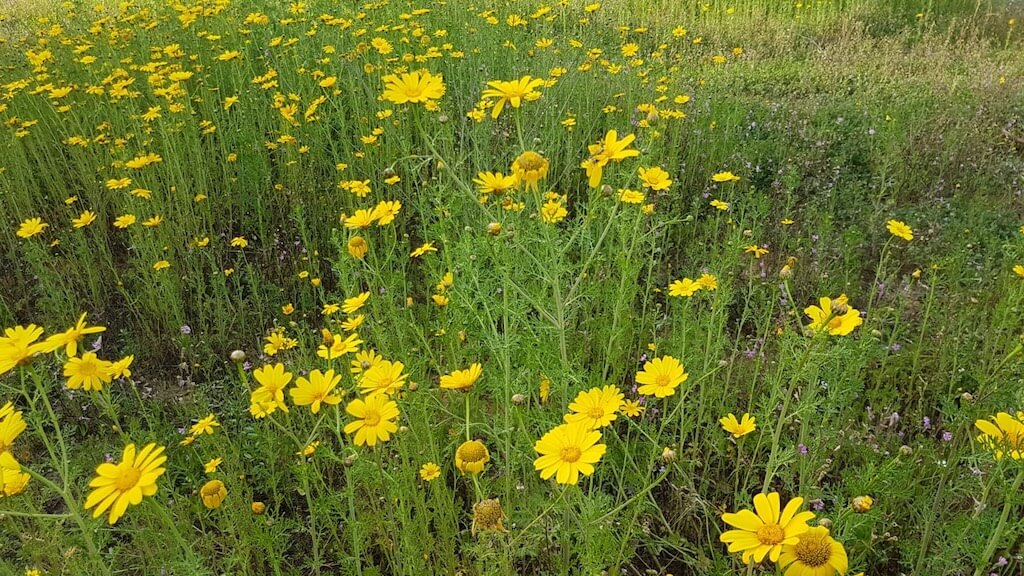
<point x="837" y="115"/>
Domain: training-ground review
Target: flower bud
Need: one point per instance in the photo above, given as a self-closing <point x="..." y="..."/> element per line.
<point x="518" y="399"/>
<point x="668" y="455"/>
<point x="494" y="228"/>
<point x="258" y="508"/>
<point x="906" y="450"/>
<point x="237" y="356"/>
<point x="862" y="504"/>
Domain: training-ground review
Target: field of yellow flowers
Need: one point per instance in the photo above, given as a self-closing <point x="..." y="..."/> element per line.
<point x="417" y="287"/>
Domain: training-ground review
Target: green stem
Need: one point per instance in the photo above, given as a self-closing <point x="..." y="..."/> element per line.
<point x="997" y="534"/>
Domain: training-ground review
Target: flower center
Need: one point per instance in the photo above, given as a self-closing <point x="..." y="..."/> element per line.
<point x="813" y="551"/>
<point x="596" y="413"/>
<point x="835" y="322"/>
<point x="771" y="534"/>
<point x="662" y="380"/>
<point x="571" y="454"/>
<point x="531" y="161"/>
<point x="372" y="418"/>
<point x="473" y="452"/>
<point x="128" y="479"/>
<point x="87" y="368"/>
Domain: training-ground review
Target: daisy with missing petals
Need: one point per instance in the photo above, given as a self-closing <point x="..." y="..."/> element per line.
<point x="567" y="451"/>
<point x="596" y="407"/>
<point x="661" y="376"/>
<point x="765" y="532"/>
<point x="512" y="92"/>
<point x="374" y="420"/>
<point x="118" y="485"/>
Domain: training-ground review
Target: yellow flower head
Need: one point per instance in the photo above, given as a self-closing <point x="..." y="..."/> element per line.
<point x="385" y="378"/>
<point x="462" y="379"/>
<point x="661" y="377"/>
<point x="567" y="451"/>
<point x="374" y="419"/>
<point x="833" y="316"/>
<point x="413" y="87"/>
<point x="471" y="456"/>
<point x="899" y="230"/>
<point x="814" y="553"/>
<point x="430" y="472"/>
<point x="127" y="482"/>
<point x="31" y="227"/>
<point x="1003" y="434"/>
<point x="738" y="428"/>
<point x="597" y="407"/>
<point x="270" y="394"/>
<point x="88" y="372"/>
<point x="654" y="178"/>
<point x="530" y="168"/>
<point x="213" y="494"/>
<point x="316" y="390"/>
<point x="512" y="92"/>
<point x="765" y="532"/>
<point x="18" y="345"/>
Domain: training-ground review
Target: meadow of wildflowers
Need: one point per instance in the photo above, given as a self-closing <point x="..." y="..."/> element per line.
<point x="622" y="287"/>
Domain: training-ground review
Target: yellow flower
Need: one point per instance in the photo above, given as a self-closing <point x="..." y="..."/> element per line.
<point x="553" y="212"/>
<point x="339" y="347"/>
<point x="357" y="247"/>
<point x="630" y="196"/>
<point x="1003" y="435"/>
<point x="596" y="407"/>
<point x="631" y="408"/>
<point x="738" y="428"/>
<point x="512" y="92"/>
<point x="127" y="482"/>
<point x="204" y="426"/>
<point x="316" y="390"/>
<point x="766" y="532"/>
<point x="471" y="456"/>
<point x="374" y="419"/>
<point x="239" y="242"/>
<point x="364" y="360"/>
<point x="124" y="221"/>
<point x="720" y="204"/>
<point x="413" y="87"/>
<point x="270" y="394"/>
<point x="899" y="230"/>
<point x="71" y="337"/>
<point x="386" y="211"/>
<point x="11" y="426"/>
<point x="353" y="323"/>
<point x="530" y="168"/>
<point x="211" y="466"/>
<point x="815" y="553"/>
<point x="258" y="508"/>
<point x="430" y="471"/>
<point x="834" y="316"/>
<point x="213" y="494"/>
<point x="567" y="451"/>
<point x="661" y="377"/>
<point x="462" y="379"/>
<point x="88" y="372"/>
<point x="423" y="249"/>
<point x="683" y="288"/>
<point x="756" y="250"/>
<point x="84" y="219"/>
<point x="18" y="345"/>
<point x="12" y="479"/>
<point x="354" y="303"/>
<point x="384" y="378"/>
<point x="31" y="227"/>
<point x="1019" y="270"/>
<point x="494" y="182"/>
<point x="604" y="151"/>
<point x="724" y="177"/>
<point x="654" y="178"/>
<point x="707" y="282"/>
<point x="161" y="265"/>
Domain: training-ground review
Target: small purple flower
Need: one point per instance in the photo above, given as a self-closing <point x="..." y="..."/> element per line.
<point x="894" y="347"/>
<point x="97" y="344"/>
<point x="108" y="457"/>
<point x="802" y="449"/>
<point x="246" y="366"/>
<point x="1002" y="561"/>
<point x="186" y="329"/>
<point x="947" y="436"/>
<point x="817" y="504"/>
<point x="927" y="423"/>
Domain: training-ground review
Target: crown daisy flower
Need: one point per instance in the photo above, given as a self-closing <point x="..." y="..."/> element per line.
<point x="116" y="486"/>
<point x="316" y="390"/>
<point x="374" y="420"/>
<point x="764" y="533"/>
<point x="661" y="376"/>
<point x="568" y="451"/>
<point x="462" y="379"/>
<point x="413" y="87"/>
<point x="815" y="554"/>
<point x="597" y="407"/>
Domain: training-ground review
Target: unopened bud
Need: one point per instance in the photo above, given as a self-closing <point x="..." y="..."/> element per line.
<point x="258" y="508"/>
<point x="494" y="228"/>
<point x="825" y="522"/>
<point x="668" y="455"/>
<point x="862" y="504"/>
<point x="906" y="450"/>
<point x="237" y="356"/>
<point x="967" y="397"/>
<point x="518" y="399"/>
